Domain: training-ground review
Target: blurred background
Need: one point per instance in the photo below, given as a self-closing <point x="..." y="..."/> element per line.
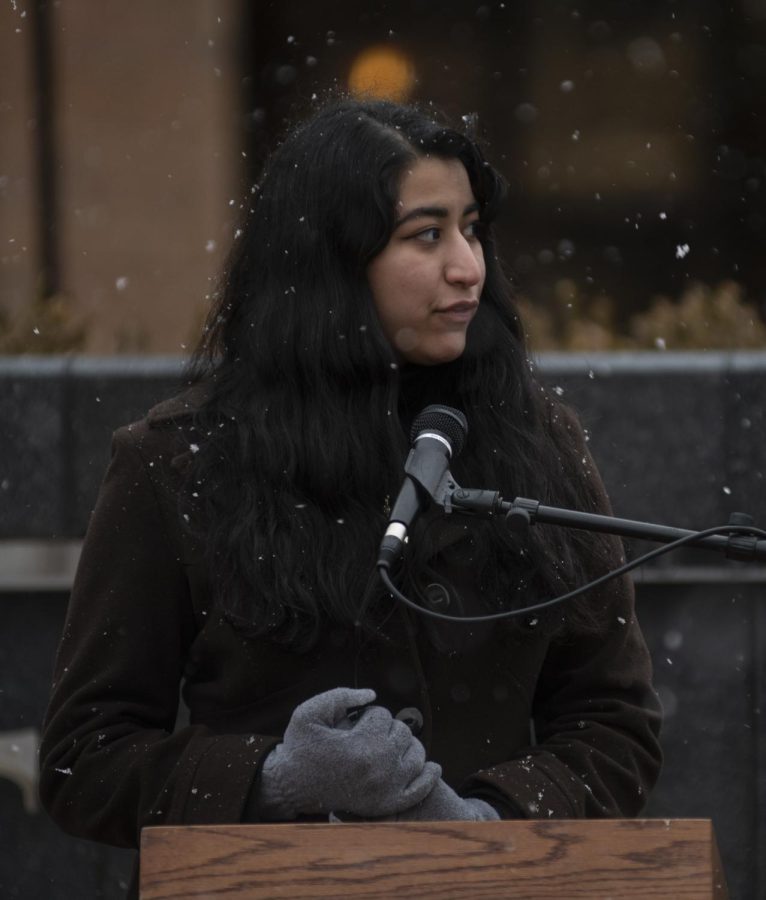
<point x="631" y="135"/>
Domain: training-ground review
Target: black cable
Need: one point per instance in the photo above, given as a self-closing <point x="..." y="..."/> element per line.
<point x="545" y="604"/>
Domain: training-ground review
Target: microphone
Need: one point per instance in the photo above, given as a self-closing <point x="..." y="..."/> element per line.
<point x="437" y="435"/>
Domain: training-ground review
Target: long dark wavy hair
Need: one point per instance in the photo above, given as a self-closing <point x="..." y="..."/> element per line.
<point x="305" y="425"/>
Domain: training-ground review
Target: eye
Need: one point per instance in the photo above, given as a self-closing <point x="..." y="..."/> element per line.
<point x="474" y="230"/>
<point x="429" y="235"/>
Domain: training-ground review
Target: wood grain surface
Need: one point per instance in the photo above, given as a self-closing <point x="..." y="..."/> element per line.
<point x="618" y="858"/>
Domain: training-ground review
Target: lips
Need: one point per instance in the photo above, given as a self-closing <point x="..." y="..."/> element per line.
<point x="461" y="306"/>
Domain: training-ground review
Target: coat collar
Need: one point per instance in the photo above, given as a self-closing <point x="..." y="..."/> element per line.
<point x="182" y="406"/>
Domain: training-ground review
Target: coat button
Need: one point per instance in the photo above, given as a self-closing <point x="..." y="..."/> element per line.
<point x="437" y="596"/>
<point x="412" y="718"/>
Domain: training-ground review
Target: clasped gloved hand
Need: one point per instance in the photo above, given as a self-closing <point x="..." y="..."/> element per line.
<point x="371" y="766"/>
<point x="443" y="804"/>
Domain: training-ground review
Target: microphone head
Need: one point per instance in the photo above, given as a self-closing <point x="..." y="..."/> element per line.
<point x="444" y="419"/>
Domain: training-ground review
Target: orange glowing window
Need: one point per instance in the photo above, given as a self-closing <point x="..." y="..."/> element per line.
<point x="382" y="71"/>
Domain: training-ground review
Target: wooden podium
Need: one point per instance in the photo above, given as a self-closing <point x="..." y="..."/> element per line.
<point x="562" y="859"/>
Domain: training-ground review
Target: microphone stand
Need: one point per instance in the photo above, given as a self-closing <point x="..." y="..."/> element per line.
<point x="522" y="512"/>
<point x="739" y="539"/>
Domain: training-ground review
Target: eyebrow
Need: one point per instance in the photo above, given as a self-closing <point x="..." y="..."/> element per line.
<point x="433" y="212"/>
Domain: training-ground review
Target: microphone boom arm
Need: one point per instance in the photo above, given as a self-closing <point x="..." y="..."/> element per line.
<point x="523" y="512"/>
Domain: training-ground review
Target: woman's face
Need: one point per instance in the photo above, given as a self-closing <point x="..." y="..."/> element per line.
<point x="427" y="280"/>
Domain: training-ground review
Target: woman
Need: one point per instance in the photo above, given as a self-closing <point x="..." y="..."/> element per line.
<point x="233" y="545"/>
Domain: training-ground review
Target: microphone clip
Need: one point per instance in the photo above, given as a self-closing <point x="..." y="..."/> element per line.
<point x="471" y="502"/>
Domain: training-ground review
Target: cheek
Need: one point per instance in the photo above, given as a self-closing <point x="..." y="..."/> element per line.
<point x="396" y="287"/>
<point x="385" y="288"/>
<point x="395" y="293"/>
<point x="397" y="318"/>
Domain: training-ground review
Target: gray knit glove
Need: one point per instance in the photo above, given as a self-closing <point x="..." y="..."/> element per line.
<point x="443" y="804"/>
<point x="372" y="766"/>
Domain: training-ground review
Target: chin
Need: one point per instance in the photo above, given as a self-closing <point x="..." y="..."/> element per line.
<point x="437" y="356"/>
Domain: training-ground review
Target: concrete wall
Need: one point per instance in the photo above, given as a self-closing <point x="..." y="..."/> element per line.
<point x="679" y="440"/>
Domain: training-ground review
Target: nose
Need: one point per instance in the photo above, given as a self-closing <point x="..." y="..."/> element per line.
<point x="465" y="262"/>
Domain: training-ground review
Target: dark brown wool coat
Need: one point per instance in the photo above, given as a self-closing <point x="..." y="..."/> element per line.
<point x="139" y="625"/>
